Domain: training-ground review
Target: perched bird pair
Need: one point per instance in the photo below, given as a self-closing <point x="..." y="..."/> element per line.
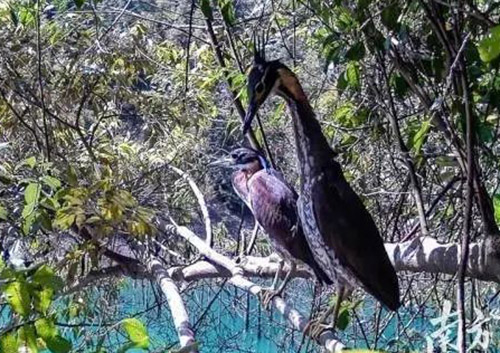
<point x="328" y="228"/>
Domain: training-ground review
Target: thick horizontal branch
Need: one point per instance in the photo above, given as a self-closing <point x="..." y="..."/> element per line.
<point x="425" y="254"/>
<point x="422" y="254"/>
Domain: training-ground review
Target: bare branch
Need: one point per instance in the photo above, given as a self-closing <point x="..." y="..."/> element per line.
<point x="176" y="304"/>
<point x="201" y="201"/>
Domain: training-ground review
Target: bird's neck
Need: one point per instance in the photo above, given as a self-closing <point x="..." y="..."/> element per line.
<point x="251" y="169"/>
<point x="313" y="149"/>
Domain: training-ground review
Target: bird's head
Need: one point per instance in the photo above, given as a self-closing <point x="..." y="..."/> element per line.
<point x="244" y="158"/>
<point x="268" y="77"/>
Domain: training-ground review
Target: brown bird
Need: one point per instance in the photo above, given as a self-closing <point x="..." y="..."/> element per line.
<point x="273" y="203"/>
<point x="341" y="233"/>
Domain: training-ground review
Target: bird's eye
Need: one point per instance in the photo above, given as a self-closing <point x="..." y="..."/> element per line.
<point x="234" y="156"/>
<point x="259" y="88"/>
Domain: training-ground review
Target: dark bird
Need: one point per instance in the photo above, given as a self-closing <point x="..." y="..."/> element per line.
<point x="273" y="203"/>
<point x="341" y="233"/>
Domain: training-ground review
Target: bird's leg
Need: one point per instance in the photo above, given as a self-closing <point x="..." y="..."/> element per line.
<point x="269" y="295"/>
<point x="317" y="326"/>
<point x="251" y="243"/>
<point x="287" y="279"/>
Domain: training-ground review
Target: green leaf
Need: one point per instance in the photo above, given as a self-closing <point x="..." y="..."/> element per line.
<point x="356" y="52"/>
<point x="352" y="75"/>
<point x="58" y="344"/>
<point x="136" y="332"/>
<point x="342" y="82"/>
<point x="27" y="338"/>
<point x="13" y="16"/>
<point x="43" y="299"/>
<point x="419" y="137"/>
<point x="52" y="182"/>
<point x="343" y="19"/>
<point x="489" y="47"/>
<point x="18" y="296"/>
<point x="28" y="222"/>
<point x="79" y="3"/>
<point x="496" y="206"/>
<point x="45" y="328"/>
<point x="399" y="84"/>
<point x="46" y="277"/>
<point x="30" y="162"/>
<point x="227" y="11"/>
<point x="485" y="132"/>
<point x="3" y="213"/>
<point x="31" y="193"/>
<point x="343" y="319"/>
<point x="206" y="9"/>
<point x="390" y="15"/>
<point x="72" y="177"/>
<point x="8" y="343"/>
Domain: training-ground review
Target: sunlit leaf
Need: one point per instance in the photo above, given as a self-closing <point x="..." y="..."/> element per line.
<point x="43" y="299"/>
<point x="45" y="276"/>
<point x="45" y="328"/>
<point x="420" y="136"/>
<point x="353" y="76"/>
<point x="8" y="343"/>
<point x="18" y="296"/>
<point x="136" y="332"/>
<point x="3" y="213"/>
<point x="27" y="338"/>
<point x="496" y="206"/>
<point x="31" y="193"/>
<point x="52" y="182"/>
<point x="30" y="162"/>
<point x="489" y="47"/>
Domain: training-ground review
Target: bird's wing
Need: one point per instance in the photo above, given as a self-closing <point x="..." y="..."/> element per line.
<point x="347" y="227"/>
<point x="274" y="205"/>
<point x="272" y="201"/>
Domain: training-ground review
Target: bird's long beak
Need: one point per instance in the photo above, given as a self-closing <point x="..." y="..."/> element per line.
<point x="223" y="162"/>
<point x="252" y="110"/>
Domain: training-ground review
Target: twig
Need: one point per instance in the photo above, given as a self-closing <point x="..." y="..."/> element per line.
<point x="201" y="201"/>
<point x="405" y="153"/>
<point x="188" y="46"/>
<point x="40" y="80"/>
<point x="237" y="102"/>
<point x="470" y="133"/>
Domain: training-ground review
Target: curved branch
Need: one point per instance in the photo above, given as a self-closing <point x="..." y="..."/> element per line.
<point x="201" y="201"/>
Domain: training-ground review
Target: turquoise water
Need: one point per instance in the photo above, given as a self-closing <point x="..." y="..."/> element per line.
<point x="234" y="321"/>
<point x="229" y="320"/>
